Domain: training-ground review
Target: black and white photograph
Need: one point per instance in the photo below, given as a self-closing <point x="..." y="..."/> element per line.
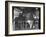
<point x="24" y="18"/>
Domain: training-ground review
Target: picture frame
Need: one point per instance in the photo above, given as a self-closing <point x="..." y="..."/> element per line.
<point x="11" y="9"/>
